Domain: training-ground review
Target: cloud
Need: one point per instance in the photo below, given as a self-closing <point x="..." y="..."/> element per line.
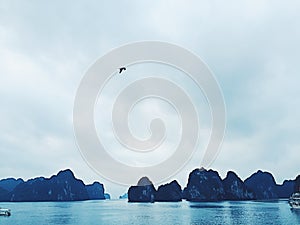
<point x="251" y="46"/>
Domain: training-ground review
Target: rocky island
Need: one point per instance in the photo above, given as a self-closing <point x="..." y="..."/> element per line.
<point x="144" y="191"/>
<point x="207" y="185"/>
<point x="61" y="187"/>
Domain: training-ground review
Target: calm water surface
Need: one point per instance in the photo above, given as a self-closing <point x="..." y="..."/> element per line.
<point x="121" y="212"/>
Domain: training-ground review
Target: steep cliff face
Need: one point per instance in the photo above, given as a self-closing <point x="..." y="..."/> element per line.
<point x="95" y="191"/>
<point x="235" y="189"/>
<point x="169" y="192"/>
<point x="286" y="189"/>
<point x="144" y="191"/>
<point x="207" y="185"/>
<point x="9" y="184"/>
<point x="204" y="185"/>
<point x="61" y="187"/>
<point x="4" y="194"/>
<point x="297" y="184"/>
<point x="263" y="185"/>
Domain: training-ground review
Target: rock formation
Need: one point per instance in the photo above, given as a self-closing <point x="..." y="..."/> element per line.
<point x="95" y="191"/>
<point x="263" y="185"/>
<point x="144" y="191"/>
<point x="204" y="185"/>
<point x="297" y="184"/>
<point x="235" y="189"/>
<point x="9" y="184"/>
<point x="61" y="187"/>
<point x="169" y="192"/>
<point x="124" y="196"/>
<point x="106" y="196"/>
<point x="286" y="189"/>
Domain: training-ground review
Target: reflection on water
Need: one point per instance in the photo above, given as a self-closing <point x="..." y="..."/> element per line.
<point x="199" y="206"/>
<point x="296" y="214"/>
<point x="59" y="219"/>
<point x="121" y="212"/>
<point x="295" y="211"/>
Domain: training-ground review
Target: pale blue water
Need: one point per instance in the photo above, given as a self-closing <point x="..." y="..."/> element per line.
<point x="120" y="212"/>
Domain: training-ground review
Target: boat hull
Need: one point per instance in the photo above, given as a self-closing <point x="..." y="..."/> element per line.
<point x="5" y="212"/>
<point x="295" y="206"/>
<point x="294" y="201"/>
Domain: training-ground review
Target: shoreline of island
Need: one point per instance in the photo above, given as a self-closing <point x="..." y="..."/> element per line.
<point x="203" y="186"/>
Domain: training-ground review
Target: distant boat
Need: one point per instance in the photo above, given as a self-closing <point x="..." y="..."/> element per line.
<point x="5" y="212"/>
<point x="294" y="200"/>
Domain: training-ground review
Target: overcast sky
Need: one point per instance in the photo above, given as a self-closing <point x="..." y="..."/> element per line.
<point x="252" y="47"/>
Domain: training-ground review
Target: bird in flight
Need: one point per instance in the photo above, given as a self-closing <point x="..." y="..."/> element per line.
<point x="121" y="69"/>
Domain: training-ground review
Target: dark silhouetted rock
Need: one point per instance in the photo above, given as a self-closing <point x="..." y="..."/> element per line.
<point x="263" y="185"/>
<point x="235" y="189"/>
<point x="169" y="192"/>
<point x="61" y="187"/>
<point x="124" y="196"/>
<point x="95" y="191"/>
<point x="143" y="192"/>
<point x="144" y="181"/>
<point x="286" y="189"/>
<point x="4" y="194"/>
<point x="204" y="185"/>
<point x="297" y="184"/>
<point x="9" y="184"/>
<point x="107" y="196"/>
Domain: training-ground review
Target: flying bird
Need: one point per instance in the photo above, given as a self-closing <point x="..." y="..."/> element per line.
<point x="122" y="69"/>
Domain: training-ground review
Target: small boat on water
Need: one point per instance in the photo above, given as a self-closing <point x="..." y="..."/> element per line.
<point x="294" y="200"/>
<point x="5" y="212"/>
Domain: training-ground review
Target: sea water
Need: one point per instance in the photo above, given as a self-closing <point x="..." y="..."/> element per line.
<point x="121" y="212"/>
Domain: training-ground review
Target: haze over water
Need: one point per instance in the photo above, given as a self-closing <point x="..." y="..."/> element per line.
<point x="122" y="212"/>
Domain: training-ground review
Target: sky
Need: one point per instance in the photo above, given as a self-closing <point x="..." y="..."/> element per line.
<point x="252" y="47"/>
